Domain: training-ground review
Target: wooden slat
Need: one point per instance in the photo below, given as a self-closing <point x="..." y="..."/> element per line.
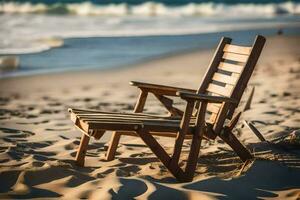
<point x="184" y="128"/>
<point x="196" y="143"/>
<point x="120" y="126"/>
<point x="225" y="78"/>
<point x="213" y="118"/>
<point x="97" y="112"/>
<point x="122" y="116"/>
<point x="235" y="57"/>
<point x="161" y="134"/>
<point x="205" y="97"/>
<point x="242" y="82"/>
<point x="115" y="119"/>
<point x="133" y="125"/>
<point x="219" y="89"/>
<point x="213" y="66"/>
<point x="236" y="75"/>
<point x="236" y="145"/>
<point x="231" y="67"/>
<point x="213" y="107"/>
<point x="160" y="87"/>
<point x="82" y="150"/>
<point x="237" y="49"/>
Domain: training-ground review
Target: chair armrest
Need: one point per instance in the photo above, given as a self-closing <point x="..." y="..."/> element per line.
<point x="204" y="97"/>
<point x="160" y="89"/>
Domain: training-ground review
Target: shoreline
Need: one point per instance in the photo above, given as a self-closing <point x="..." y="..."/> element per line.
<point x="38" y="140"/>
<point x="205" y="41"/>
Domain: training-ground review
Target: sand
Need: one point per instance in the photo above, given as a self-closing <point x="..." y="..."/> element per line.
<point x="39" y="142"/>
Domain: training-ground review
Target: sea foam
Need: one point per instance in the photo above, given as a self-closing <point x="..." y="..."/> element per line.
<point x="38" y="24"/>
<point x="152" y="9"/>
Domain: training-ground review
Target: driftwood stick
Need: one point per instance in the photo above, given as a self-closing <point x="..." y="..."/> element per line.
<point x="243" y="167"/>
<point x="249" y="100"/>
<point x="254" y="130"/>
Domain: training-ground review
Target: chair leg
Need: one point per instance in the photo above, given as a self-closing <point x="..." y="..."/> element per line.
<point x="115" y="139"/>
<point x="196" y="143"/>
<point x="82" y="150"/>
<point x="161" y="154"/>
<point x="236" y="145"/>
<point x="112" y="148"/>
<point x="193" y="158"/>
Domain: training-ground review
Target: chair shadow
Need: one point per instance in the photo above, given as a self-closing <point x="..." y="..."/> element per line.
<point x="262" y="180"/>
<point x="274" y="169"/>
<point x="133" y="188"/>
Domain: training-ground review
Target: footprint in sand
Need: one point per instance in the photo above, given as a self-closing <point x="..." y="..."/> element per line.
<point x="87" y="99"/>
<point x="16" y="132"/>
<point x="4" y="101"/>
<point x="128" y="171"/>
<point x="13" y="113"/>
<point x="35" y="123"/>
<point x="58" y="129"/>
<point x="49" y="111"/>
<point x="64" y="137"/>
<point x="273" y="95"/>
<point x="54" y="104"/>
<point x="61" y="124"/>
<point x="86" y="87"/>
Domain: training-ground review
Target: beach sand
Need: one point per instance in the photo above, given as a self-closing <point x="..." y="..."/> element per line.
<point x="38" y="141"/>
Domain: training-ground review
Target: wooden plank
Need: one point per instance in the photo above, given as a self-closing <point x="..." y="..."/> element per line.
<point x="168" y="104"/>
<point x="251" y="126"/>
<point x="234" y="121"/>
<point x="242" y="82"/>
<point x="96" y="112"/>
<point x="219" y="89"/>
<point x="94" y="115"/>
<point x="113" y="145"/>
<point x="224" y="78"/>
<point x="236" y="145"/>
<point x="213" y="118"/>
<point x="184" y="128"/>
<point x="154" y="146"/>
<point x="80" y="155"/>
<point x="141" y="102"/>
<point x="235" y="57"/>
<point x="159" y="87"/>
<point x="132" y="126"/>
<point x="236" y="75"/>
<point x="160" y="134"/>
<point x="161" y="154"/>
<point x="196" y="143"/>
<point x="213" y="107"/>
<point x="249" y="100"/>
<point x="116" y="136"/>
<point x="231" y="67"/>
<point x="237" y="49"/>
<point x="213" y="66"/>
<point x="206" y="97"/>
<point x="114" y="126"/>
<point x="118" y="118"/>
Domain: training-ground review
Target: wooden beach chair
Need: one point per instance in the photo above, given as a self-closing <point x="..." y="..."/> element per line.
<point x="209" y="111"/>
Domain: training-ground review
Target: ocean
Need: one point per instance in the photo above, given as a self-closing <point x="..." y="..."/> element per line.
<point x="52" y="36"/>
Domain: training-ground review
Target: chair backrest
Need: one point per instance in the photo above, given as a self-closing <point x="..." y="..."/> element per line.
<point x="228" y="75"/>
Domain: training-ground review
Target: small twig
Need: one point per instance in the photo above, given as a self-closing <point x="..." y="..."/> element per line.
<point x="243" y="167"/>
<point x="249" y="100"/>
<point x="254" y="130"/>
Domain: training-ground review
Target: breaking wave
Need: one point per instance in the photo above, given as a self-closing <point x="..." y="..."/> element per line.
<point x="152" y="9"/>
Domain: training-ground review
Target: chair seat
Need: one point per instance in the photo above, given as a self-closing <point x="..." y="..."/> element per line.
<point x="89" y="120"/>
